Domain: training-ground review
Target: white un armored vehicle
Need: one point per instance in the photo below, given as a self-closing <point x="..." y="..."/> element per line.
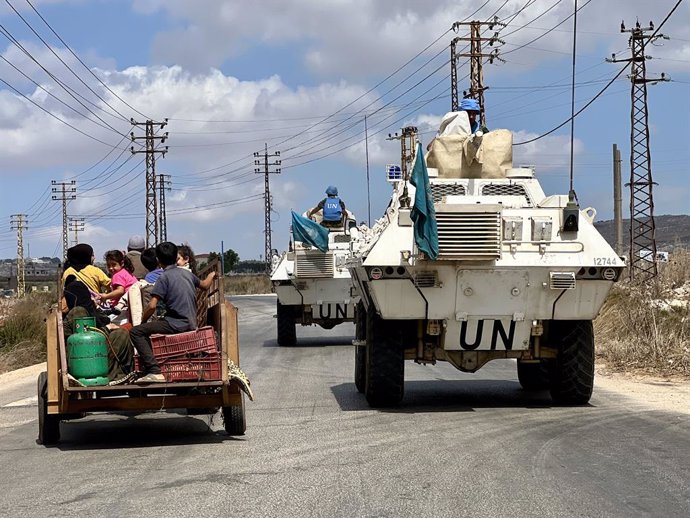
<point x="518" y="274"/>
<point x="314" y="287"/>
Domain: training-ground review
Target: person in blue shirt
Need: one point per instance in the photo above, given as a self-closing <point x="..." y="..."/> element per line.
<point x="332" y="207"/>
<point x="148" y="259"/>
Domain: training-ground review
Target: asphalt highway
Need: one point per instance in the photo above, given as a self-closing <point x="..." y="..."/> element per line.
<point x="459" y="445"/>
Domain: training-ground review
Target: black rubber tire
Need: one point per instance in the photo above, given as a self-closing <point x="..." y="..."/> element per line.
<point x="533" y="376"/>
<point x="572" y="373"/>
<point x="287" y="334"/>
<point x="385" y="362"/>
<point x="48" y="424"/>
<point x="360" y="351"/>
<point x="235" y="419"/>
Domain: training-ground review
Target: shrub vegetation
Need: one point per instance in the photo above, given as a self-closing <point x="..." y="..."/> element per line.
<point x="23" y="331"/>
<point x="647" y="327"/>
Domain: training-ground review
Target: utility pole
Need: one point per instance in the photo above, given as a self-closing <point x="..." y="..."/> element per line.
<point x="66" y="191"/>
<point x="366" y="150"/>
<point x="267" y="196"/>
<point x="407" y="144"/>
<point x="476" y="57"/>
<point x="152" y="232"/>
<point x="163" y="185"/>
<point x="617" y="200"/>
<point x="76" y="225"/>
<point x="642" y="264"/>
<point x="20" y="222"/>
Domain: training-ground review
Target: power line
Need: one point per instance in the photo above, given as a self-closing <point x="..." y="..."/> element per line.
<point x="578" y="112"/>
<point x="84" y="64"/>
<point x="670" y="13"/>
<point x="62" y="61"/>
<point x="70" y="91"/>
<point x="53" y="115"/>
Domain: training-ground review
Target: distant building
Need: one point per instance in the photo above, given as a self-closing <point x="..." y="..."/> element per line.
<point x="37" y="271"/>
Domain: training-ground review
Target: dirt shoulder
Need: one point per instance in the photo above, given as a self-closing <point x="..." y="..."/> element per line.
<point x="653" y="392"/>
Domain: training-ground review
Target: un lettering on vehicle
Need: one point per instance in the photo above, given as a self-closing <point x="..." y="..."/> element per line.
<point x="487" y="334"/>
<point x="333" y="311"/>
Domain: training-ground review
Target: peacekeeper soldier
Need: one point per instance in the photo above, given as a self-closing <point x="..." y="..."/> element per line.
<point x="332" y="207"/>
<point x="471" y="106"/>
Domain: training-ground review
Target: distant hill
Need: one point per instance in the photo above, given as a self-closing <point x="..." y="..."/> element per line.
<point x="671" y="232"/>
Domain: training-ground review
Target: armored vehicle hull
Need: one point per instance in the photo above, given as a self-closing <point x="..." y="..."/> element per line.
<point x="513" y="279"/>
<point x="313" y="287"/>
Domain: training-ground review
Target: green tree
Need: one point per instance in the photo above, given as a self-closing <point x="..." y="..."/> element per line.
<point x="230" y="258"/>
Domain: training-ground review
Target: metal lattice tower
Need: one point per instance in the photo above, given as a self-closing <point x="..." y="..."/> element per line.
<point x="152" y="229"/>
<point x="407" y="144"/>
<point x="76" y="225"/>
<point x="476" y="57"/>
<point x="643" y="266"/>
<point x="20" y="223"/>
<point x="454" y="99"/>
<point x="163" y="185"/>
<point x="64" y="191"/>
<point x="267" y="195"/>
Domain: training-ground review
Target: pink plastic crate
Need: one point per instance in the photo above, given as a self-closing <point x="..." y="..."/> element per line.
<point x="190" y="343"/>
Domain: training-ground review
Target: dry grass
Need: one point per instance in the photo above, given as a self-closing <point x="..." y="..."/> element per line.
<point x="247" y="284"/>
<point x="647" y="328"/>
<point x="23" y="331"/>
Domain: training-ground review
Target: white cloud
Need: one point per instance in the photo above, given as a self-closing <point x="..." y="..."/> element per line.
<point x="548" y="154"/>
<point x="335" y="35"/>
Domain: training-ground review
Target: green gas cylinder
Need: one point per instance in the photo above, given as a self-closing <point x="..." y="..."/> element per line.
<point x="87" y="353"/>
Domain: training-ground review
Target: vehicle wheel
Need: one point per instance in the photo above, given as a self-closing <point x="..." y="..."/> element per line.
<point x="234" y="419"/>
<point x="385" y="362"/>
<point x="572" y="373"/>
<point x="48" y="424"/>
<point x="287" y="334"/>
<point x="533" y="376"/>
<point x="360" y="351"/>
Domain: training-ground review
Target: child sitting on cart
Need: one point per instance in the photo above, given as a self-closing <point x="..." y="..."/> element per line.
<point x="176" y="288"/>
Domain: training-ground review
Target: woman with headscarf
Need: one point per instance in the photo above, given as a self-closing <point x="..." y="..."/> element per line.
<point x="80" y="264"/>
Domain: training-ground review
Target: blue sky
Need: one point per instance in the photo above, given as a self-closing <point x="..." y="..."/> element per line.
<point x="231" y="75"/>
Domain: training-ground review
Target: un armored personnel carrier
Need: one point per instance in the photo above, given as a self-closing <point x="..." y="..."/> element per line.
<point x="516" y="273"/>
<point x="314" y="287"/>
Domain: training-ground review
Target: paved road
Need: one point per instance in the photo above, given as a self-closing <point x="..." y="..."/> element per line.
<point x="460" y="445"/>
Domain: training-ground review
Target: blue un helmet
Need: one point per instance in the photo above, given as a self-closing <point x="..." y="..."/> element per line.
<point x="332" y="190"/>
<point x="469" y="105"/>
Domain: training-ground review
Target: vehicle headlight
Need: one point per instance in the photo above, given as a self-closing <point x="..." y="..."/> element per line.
<point x="609" y="274"/>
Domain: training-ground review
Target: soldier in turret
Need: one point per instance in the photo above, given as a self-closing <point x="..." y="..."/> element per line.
<point x="332" y="207"/>
<point x="471" y="106"/>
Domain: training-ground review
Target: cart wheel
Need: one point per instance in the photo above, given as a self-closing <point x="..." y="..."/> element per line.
<point x="234" y="419"/>
<point x="48" y="424"/>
